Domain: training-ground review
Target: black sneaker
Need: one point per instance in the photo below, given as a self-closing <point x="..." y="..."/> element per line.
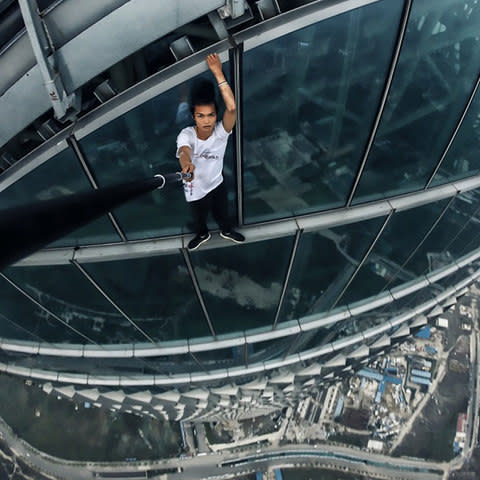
<point x="196" y="241"/>
<point x="233" y="236"/>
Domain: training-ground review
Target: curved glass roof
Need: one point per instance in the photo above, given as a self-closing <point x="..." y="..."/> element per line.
<point x="351" y="174"/>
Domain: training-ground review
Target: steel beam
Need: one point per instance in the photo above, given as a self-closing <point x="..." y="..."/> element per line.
<point x="62" y="102"/>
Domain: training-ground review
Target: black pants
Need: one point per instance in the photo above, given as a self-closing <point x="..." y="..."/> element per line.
<point x="215" y="201"/>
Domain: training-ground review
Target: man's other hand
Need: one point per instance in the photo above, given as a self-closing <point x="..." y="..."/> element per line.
<point x="214" y="64"/>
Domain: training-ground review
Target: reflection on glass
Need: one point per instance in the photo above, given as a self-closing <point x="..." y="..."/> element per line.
<point x="141" y="144"/>
<point x="433" y="254"/>
<point x="156" y="293"/>
<point x="309" y="100"/>
<point x="462" y="159"/>
<point x="324" y="262"/>
<point x="358" y="324"/>
<point x="241" y="285"/>
<point x="308" y="340"/>
<point x="435" y="75"/>
<point x="11" y="330"/>
<point x="447" y="282"/>
<point x="402" y="234"/>
<point x="21" y="319"/>
<point x="60" y="175"/>
<point x="169" y="364"/>
<point x="220" y="358"/>
<point x="269" y="349"/>
<point x="467" y="238"/>
<point x="98" y="366"/>
<point x="409" y="301"/>
<point x="67" y="293"/>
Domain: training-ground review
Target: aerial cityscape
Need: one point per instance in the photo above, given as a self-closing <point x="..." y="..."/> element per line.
<point x="412" y="410"/>
<point x="323" y="322"/>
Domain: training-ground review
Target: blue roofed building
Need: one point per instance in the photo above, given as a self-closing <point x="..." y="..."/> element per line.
<point x="425" y="332"/>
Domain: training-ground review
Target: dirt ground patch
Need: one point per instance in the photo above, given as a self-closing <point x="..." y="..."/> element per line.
<point x="433" y="433"/>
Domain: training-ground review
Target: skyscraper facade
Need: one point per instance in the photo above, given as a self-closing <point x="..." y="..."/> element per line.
<point x="353" y="173"/>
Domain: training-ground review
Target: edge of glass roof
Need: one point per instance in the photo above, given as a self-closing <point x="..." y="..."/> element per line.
<point x="34" y="159"/>
<point x="307" y="323"/>
<point x="296" y="19"/>
<point x="162" y="380"/>
<point x="253" y="233"/>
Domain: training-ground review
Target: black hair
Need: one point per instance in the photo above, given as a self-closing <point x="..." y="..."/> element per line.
<point x="202" y="93"/>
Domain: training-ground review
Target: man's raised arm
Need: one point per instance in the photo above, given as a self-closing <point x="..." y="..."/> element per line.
<point x="230" y="114"/>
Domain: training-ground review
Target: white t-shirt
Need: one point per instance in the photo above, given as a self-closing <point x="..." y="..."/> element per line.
<point x="207" y="156"/>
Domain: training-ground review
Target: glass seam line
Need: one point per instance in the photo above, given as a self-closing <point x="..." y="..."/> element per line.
<point x="72" y="142"/>
<point x="56" y="317"/>
<point x="237" y="74"/>
<point x="454" y="134"/>
<point x="365" y="256"/>
<point x="236" y="372"/>
<point x="119" y="310"/>
<point x="383" y="101"/>
<point x="311" y="222"/>
<point x="287" y="277"/>
<point x="422" y="241"/>
<point x="196" y="287"/>
<point x="319" y="321"/>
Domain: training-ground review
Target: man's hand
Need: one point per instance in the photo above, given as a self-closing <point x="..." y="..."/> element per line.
<point x="186" y="161"/>
<point x="188" y="168"/>
<point x="215" y="66"/>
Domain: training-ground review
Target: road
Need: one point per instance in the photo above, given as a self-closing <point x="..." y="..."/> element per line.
<point x="208" y="466"/>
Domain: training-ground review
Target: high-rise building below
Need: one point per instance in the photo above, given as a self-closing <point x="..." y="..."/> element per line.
<point x="353" y="173"/>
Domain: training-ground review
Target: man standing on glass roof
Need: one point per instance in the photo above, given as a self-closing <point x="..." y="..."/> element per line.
<point x="200" y="150"/>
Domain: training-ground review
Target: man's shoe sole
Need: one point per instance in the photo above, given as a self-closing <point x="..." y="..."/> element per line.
<point x="231" y="239"/>
<point x="201" y="243"/>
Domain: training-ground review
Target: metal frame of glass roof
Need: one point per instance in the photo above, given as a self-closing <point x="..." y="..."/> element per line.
<point x="232" y="373"/>
<point x="233" y="339"/>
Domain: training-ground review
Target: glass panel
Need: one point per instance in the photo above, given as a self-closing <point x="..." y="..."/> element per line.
<point x="358" y="324"/>
<point x="462" y="160"/>
<point x="67" y="293"/>
<point x="305" y="128"/>
<point x="467" y="238"/>
<point x="171" y="364"/>
<point x="27" y="317"/>
<point x="383" y="266"/>
<point x="241" y="285"/>
<point x="98" y="366"/>
<point x="324" y="262"/>
<point x="269" y="349"/>
<point x="411" y="301"/>
<point x="450" y="280"/>
<point x="11" y="330"/>
<point x="156" y="293"/>
<point x="434" y="78"/>
<point x="60" y="175"/>
<point x="142" y="143"/>
<point x="305" y="341"/>
<point x="432" y="254"/>
<point x="220" y="358"/>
